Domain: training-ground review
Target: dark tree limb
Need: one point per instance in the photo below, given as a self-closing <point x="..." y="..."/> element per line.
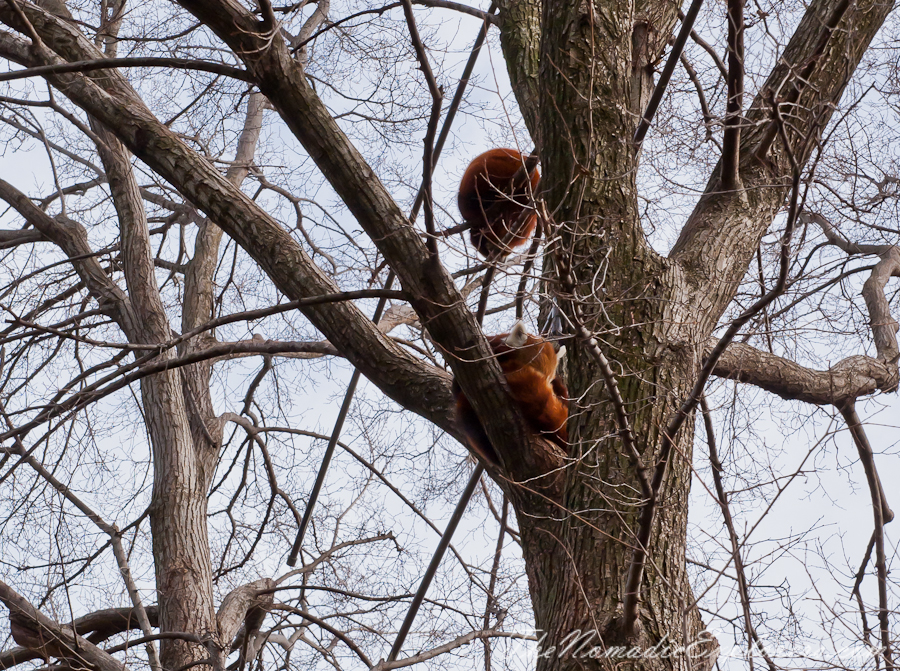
<point x="753" y="640"/>
<point x="9" y="239"/>
<point x="35" y="631"/>
<point x="95" y="627"/>
<point x="687" y="24"/>
<point x="437" y="96"/>
<point x="142" y="62"/>
<point x="882" y="514"/>
<point x="399" y="375"/>
<point x="433" y="295"/>
<point x="857" y="584"/>
<point x="731" y="154"/>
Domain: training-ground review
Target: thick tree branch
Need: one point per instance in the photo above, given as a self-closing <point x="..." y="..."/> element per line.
<point x="680" y="416"/>
<point x="849" y="378"/>
<point x="33" y="630"/>
<point x="399" y="375"/>
<point x="724" y="230"/>
<point x="884" y="326"/>
<point x="434" y="296"/>
<point x="96" y="627"/>
<point x="199" y="297"/>
<point x="867" y="457"/>
<point x="71" y="238"/>
<point x="244" y="608"/>
<point x="9" y="239"/>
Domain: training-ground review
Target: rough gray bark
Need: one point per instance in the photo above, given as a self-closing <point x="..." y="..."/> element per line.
<point x="178" y="508"/>
<point x="577" y="563"/>
<point x="582" y="73"/>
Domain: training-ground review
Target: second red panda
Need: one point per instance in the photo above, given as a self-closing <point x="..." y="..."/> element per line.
<point x="529" y="363"/>
<point x="493" y="199"/>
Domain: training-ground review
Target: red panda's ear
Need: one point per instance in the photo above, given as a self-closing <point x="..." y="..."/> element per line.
<point x="518" y="336"/>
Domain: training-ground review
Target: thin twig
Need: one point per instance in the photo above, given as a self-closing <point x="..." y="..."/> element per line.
<point x="490" y="605"/>
<point x="731" y="155"/>
<point x="109" y="529"/>
<point x="437" y="97"/>
<point x="722" y="500"/>
<point x="686" y="25"/>
<point x="567" y="282"/>
<point x="523" y="281"/>
<point x="435" y="562"/>
<point x="708" y="48"/>
<point x="882" y="515"/>
<point x="142" y="62"/>
<point x="29" y="29"/>
<point x="489" y="16"/>
<point x="857" y="584"/>
<point x="701" y="96"/>
<point x="332" y="442"/>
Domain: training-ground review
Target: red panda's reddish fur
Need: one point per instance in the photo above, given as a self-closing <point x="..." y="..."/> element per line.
<point x="530" y="370"/>
<point x="493" y="197"/>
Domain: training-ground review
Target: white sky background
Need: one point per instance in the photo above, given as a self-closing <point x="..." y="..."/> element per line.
<point x="807" y="546"/>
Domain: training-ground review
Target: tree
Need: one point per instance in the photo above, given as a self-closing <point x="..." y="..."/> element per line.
<point x="603" y="529"/>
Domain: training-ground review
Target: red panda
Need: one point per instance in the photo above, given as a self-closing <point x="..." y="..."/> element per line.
<point x="529" y="363"/>
<point x="492" y="200"/>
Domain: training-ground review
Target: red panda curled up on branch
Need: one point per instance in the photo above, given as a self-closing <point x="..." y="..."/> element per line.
<point x="529" y="363"/>
<point x="493" y="200"/>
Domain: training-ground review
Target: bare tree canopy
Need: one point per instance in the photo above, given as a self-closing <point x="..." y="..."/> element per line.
<point x="242" y="296"/>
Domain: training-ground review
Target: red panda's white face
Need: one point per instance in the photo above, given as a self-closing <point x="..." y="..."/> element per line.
<point x="518" y="336"/>
<point x="529" y="350"/>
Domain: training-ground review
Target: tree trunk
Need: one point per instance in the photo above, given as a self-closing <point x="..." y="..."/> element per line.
<point x="578" y="553"/>
<point x="652" y="315"/>
<point x="582" y="72"/>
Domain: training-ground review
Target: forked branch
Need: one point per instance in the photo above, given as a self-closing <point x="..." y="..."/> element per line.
<point x="882" y="514"/>
<point x="32" y="629"/>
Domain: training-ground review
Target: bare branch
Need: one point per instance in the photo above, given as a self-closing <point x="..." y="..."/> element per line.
<point x="274" y="249"/>
<point x="731" y="155"/>
<point x="34" y="630"/>
<point x="850" y="378"/>
<point x="882" y="514"/>
<point x="687" y="24"/>
<point x="96" y="627"/>
<point x="143" y="62"/>
<point x="243" y="607"/>
<point x="716" y="468"/>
